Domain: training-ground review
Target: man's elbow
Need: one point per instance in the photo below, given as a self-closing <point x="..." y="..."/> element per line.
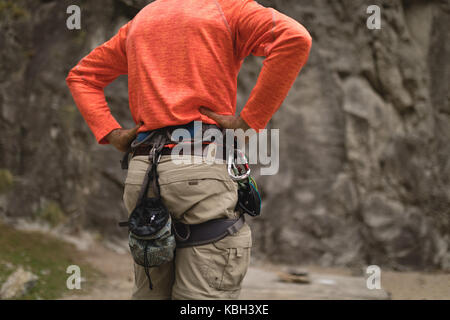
<point x="71" y="77"/>
<point x="75" y="78"/>
<point x="303" y="40"/>
<point x="307" y="41"/>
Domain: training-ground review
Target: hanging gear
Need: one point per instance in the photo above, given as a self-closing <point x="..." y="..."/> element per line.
<point x="249" y="198"/>
<point x="149" y="225"/>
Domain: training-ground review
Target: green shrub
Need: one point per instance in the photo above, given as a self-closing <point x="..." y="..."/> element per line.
<point x="6" y="180"/>
<point x="52" y="213"/>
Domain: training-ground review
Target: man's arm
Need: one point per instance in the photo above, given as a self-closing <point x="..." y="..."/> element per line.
<point x="90" y="76"/>
<point x="284" y="42"/>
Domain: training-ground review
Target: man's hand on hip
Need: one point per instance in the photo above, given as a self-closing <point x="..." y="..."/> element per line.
<point x="226" y="122"/>
<point x="122" y="138"/>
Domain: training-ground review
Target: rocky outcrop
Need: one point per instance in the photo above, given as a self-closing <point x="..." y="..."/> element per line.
<point x="365" y="167"/>
<point x="18" y="284"/>
<point x="364" y="130"/>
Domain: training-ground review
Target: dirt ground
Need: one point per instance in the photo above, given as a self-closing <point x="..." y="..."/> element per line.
<point x="262" y="281"/>
<point x="405" y="285"/>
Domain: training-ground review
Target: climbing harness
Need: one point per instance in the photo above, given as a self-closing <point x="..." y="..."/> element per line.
<point x="153" y="235"/>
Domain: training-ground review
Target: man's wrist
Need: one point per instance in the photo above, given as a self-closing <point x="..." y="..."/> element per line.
<point x="242" y="124"/>
<point x="113" y="134"/>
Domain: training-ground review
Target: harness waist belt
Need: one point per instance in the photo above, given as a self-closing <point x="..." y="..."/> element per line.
<point x="143" y="147"/>
<point x="144" y="151"/>
<point x="188" y="235"/>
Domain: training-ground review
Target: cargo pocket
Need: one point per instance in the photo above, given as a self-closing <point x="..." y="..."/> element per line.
<point x="228" y="264"/>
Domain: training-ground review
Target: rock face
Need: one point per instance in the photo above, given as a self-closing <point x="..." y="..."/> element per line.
<point x="364" y="153"/>
<point x="18" y="284"/>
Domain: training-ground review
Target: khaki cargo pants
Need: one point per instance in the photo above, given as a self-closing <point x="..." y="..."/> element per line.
<point x="193" y="193"/>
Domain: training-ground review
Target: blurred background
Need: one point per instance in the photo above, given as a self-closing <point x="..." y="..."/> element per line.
<point x="364" y="173"/>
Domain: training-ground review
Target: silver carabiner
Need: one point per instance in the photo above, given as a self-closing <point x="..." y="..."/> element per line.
<point x="238" y="171"/>
<point x="153" y="157"/>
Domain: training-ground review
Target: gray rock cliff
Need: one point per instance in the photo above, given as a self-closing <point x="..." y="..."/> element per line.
<point x="365" y="168"/>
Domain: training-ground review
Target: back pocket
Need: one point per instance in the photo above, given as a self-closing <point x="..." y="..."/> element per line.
<point x="195" y="193"/>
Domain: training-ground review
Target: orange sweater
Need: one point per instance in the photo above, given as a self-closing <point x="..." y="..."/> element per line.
<point x="180" y="55"/>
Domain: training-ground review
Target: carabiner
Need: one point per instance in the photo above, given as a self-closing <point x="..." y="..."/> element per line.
<point x="238" y="171"/>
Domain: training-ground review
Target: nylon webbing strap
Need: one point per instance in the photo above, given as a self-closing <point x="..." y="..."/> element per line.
<point x="210" y="231"/>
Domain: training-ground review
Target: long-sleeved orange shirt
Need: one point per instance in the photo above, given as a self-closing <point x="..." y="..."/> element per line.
<point x="180" y="55"/>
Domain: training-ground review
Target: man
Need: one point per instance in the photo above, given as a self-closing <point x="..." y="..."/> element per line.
<point x="182" y="59"/>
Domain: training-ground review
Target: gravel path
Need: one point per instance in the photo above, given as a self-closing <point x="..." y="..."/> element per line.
<point x="259" y="283"/>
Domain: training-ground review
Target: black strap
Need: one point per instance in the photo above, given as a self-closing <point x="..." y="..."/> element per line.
<point x="125" y="160"/>
<point x="151" y="175"/>
<point x="123" y="224"/>
<point x="188" y="235"/>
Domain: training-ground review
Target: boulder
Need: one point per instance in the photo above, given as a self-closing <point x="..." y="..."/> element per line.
<point x="18" y="284"/>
